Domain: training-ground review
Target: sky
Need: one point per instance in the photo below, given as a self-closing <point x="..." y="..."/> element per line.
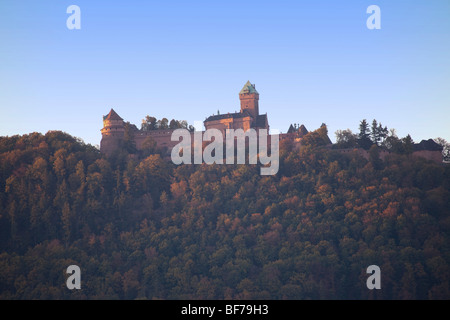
<point x="312" y="62"/>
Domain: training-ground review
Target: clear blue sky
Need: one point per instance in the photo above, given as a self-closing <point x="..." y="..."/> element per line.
<point x="311" y="61"/>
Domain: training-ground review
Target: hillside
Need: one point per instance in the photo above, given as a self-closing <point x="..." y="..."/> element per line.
<point x="145" y="228"/>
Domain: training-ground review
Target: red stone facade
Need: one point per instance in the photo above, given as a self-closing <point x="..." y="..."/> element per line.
<point x="112" y="138"/>
<point x="247" y="118"/>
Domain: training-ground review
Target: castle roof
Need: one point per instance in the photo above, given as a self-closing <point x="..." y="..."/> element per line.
<point x="302" y="130"/>
<point x="235" y="115"/>
<point x="261" y="121"/>
<point x="429" y="145"/>
<point x="248" y="88"/>
<point x="112" y="115"/>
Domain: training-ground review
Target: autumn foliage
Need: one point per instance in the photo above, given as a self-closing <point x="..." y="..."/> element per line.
<point x="145" y="228"/>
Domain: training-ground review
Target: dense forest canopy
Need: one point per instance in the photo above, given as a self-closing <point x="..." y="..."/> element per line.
<point x="145" y="228"/>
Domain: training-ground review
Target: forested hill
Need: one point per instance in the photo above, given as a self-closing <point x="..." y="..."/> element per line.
<point x="145" y="228"/>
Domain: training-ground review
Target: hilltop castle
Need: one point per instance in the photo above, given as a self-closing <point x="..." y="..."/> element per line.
<point x="113" y="131"/>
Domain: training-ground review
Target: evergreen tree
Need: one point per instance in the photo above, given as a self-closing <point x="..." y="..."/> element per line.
<point x="408" y="145"/>
<point x="129" y="143"/>
<point x="378" y="133"/>
<point x="364" y="140"/>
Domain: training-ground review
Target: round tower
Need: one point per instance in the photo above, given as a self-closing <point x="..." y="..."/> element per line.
<point x="112" y="132"/>
<point x="113" y="125"/>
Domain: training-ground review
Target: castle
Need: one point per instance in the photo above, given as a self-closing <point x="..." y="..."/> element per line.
<point x="113" y="131"/>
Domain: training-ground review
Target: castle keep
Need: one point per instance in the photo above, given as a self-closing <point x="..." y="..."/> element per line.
<point x="247" y="118"/>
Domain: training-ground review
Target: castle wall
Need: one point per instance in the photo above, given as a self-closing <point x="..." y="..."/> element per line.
<point x="221" y="125"/>
<point x="110" y="143"/>
<point x="162" y="138"/>
<point x="242" y="123"/>
<point x="232" y="123"/>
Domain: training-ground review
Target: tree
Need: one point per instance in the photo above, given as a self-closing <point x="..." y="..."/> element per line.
<point x="164" y="123"/>
<point x="374" y="132"/>
<point x="408" y="144"/>
<point x="184" y="124"/>
<point x="446" y="148"/>
<point x="67" y="220"/>
<point x="149" y="123"/>
<point x="152" y="175"/>
<point x="392" y="142"/>
<point x="364" y="135"/>
<point x="129" y="143"/>
<point x="80" y="177"/>
<point x="59" y="168"/>
<point x="149" y="146"/>
<point x="346" y="139"/>
<point x="317" y="137"/>
<point x="378" y="133"/>
<point x="374" y="157"/>
<point x="174" y="124"/>
<point x="382" y="133"/>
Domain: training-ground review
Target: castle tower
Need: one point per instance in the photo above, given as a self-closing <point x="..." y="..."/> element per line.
<point x="249" y="99"/>
<point x="113" y="125"/>
<point x="112" y="132"/>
